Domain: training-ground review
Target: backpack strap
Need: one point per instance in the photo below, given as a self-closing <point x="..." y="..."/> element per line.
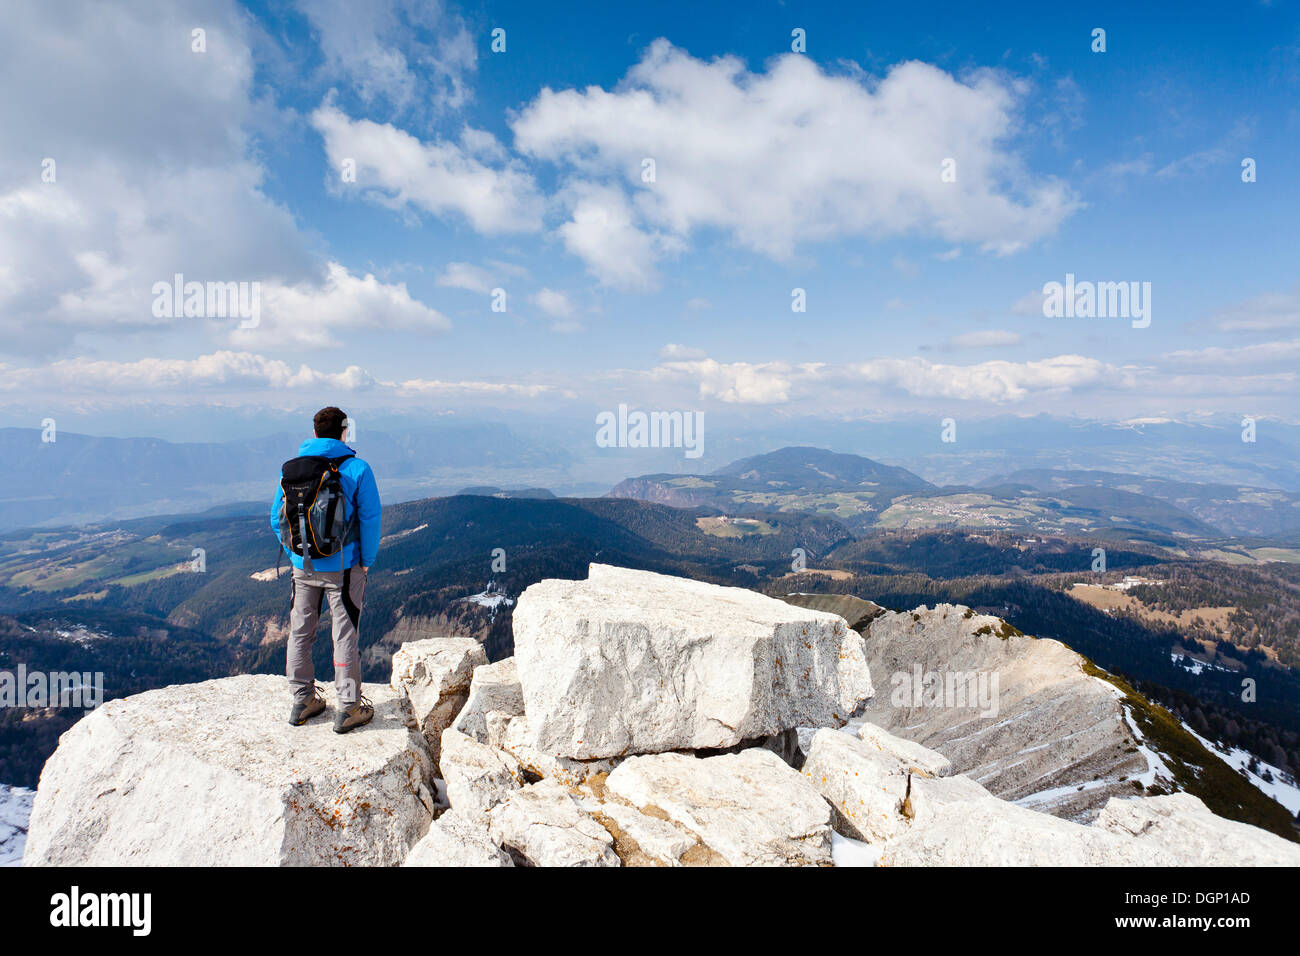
<point x="329" y="520"/>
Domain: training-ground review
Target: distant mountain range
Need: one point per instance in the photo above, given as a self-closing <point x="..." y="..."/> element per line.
<point x="863" y="494"/>
<point x="81" y="478"/>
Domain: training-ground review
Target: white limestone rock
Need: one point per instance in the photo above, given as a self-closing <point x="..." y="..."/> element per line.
<point x="494" y="698"/>
<point x="435" y="675"/>
<point x="631" y="662"/>
<point x="865" y="781"/>
<point x="641" y="839"/>
<point x="1183" y="827"/>
<point x="456" y="840"/>
<point x="956" y="822"/>
<point x="213" y="774"/>
<point x="516" y="739"/>
<point x="748" y="808"/>
<point x="907" y="753"/>
<point x="477" y="776"/>
<point x="544" y="824"/>
<point x="933" y="663"/>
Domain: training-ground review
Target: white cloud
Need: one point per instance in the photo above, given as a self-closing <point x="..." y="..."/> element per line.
<point x="154" y="168"/>
<point x="790" y="156"/>
<point x="397" y="170"/>
<point x="227" y="371"/>
<point x="1263" y="353"/>
<point x="553" y="303"/>
<point x="223" y="369"/>
<point x="1264" y="313"/>
<point x="603" y="233"/>
<point x="310" y="314"/>
<point x="993" y="381"/>
<point x="737" y="382"/>
<point x="674" y="351"/>
<point x="405" y="52"/>
<point x="463" y="275"/>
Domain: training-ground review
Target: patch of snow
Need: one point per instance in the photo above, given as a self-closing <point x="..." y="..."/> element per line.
<point x="402" y="534"/>
<point x="1157" y="769"/>
<point x="849" y="852"/>
<point x="1043" y="797"/>
<point x="15" y="809"/>
<point x="489" y="599"/>
<point x="1282" y="788"/>
<point x="1196" y="665"/>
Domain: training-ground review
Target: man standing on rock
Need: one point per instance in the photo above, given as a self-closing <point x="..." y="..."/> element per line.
<point x="326" y="515"/>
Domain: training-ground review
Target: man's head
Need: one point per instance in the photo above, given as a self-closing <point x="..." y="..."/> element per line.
<point x="329" y="422"/>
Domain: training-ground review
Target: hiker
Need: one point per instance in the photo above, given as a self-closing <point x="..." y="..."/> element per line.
<point x="326" y="515"/>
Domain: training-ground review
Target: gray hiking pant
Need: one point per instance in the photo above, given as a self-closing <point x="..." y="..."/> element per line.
<point x="345" y="591"/>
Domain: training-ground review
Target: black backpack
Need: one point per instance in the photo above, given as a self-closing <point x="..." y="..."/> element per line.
<point x="311" y="514"/>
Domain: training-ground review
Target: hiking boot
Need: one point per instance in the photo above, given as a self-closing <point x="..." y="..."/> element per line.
<point x="348" y="718"/>
<point x="304" y="710"/>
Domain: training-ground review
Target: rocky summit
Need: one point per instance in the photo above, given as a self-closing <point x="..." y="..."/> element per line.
<point x="645" y="720"/>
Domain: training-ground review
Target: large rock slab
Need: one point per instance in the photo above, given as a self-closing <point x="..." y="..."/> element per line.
<point x="212" y="774"/>
<point x="956" y="822"/>
<point x="748" y="808"/>
<point x="545" y="826"/>
<point x="435" y="674"/>
<point x="455" y="840"/>
<point x="631" y="662"/>
<point x="866" y="780"/>
<point x="1181" y="826"/>
<point x="477" y="776"/>
<point x="1038" y="692"/>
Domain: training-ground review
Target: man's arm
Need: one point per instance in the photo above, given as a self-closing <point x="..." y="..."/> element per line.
<point x="275" y="511"/>
<point x="368" y="515"/>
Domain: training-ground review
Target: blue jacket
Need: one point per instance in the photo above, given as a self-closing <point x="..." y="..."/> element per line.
<point x="361" y="495"/>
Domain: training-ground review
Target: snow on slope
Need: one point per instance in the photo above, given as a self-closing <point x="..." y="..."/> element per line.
<point x="1287" y="794"/>
<point x="15" y="809"/>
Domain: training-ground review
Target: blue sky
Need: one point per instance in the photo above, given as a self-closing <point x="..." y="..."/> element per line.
<point x="775" y="170"/>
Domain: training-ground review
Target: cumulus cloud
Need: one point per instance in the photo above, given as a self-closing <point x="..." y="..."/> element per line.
<point x="312" y="314"/>
<point x="603" y="232"/>
<point x="466" y="178"/>
<point x="735" y="383"/>
<point x="794" y="155"/>
<point x="994" y="381"/>
<point x="134" y="198"/>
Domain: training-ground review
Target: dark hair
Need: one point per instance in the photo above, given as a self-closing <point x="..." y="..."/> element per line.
<point x="329" y="422"/>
